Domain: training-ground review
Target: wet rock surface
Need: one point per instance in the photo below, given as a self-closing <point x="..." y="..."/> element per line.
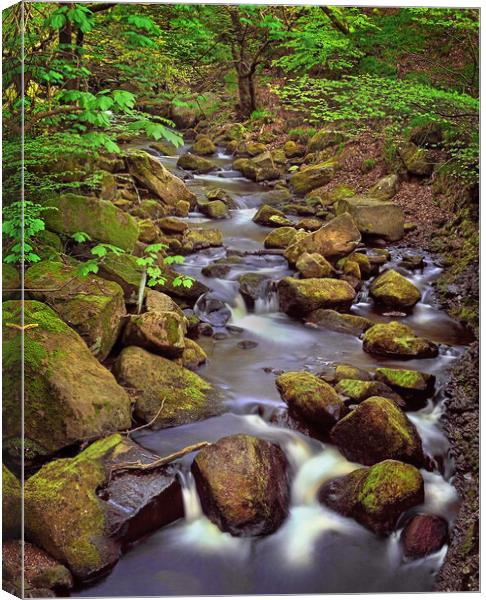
<point x="377" y="430"/>
<point x="377" y="496"/>
<point x="424" y="534"/>
<point x="243" y="485"/>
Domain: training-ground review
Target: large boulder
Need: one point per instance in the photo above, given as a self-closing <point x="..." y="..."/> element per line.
<point x="338" y="237"/>
<point x="158" y="332"/>
<point x="100" y="219"/>
<point x="259" y="168"/>
<point x="281" y="237"/>
<point x="311" y="177"/>
<point x="125" y="271"/>
<point x="81" y="510"/>
<point x="416" y="160"/>
<point x="393" y="290"/>
<point x="11" y="505"/>
<point x="376" y="430"/>
<point x="193" y="162"/>
<point x="271" y="217"/>
<point x="94" y="307"/>
<point x="398" y="341"/>
<point x="311" y="398"/>
<point x="298" y="297"/>
<point x="374" y="216"/>
<point x="376" y="496"/>
<point x="151" y="174"/>
<point x="424" y="534"/>
<point x="203" y="146"/>
<point x="199" y="238"/>
<point x="39" y="574"/>
<point x="411" y="385"/>
<point x="163" y="390"/>
<point x="243" y="485"/>
<point x="69" y="395"/>
<point x="342" y="323"/>
<point x="313" y="265"/>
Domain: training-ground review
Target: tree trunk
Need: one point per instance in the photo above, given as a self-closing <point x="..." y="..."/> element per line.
<point x="246" y="91"/>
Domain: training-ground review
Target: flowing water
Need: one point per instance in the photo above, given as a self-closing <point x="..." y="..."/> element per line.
<point x="315" y="550"/>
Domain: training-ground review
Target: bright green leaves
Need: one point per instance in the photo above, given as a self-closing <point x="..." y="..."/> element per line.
<point x="155" y="276"/>
<point x="99" y="252"/>
<point x="157" y="130"/>
<point x="22" y="221"/>
<point x="76" y="14"/>
<point x="80" y="237"/>
<point x="102" y="250"/>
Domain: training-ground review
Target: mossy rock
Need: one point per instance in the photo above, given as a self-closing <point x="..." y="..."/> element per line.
<point x="203" y="146"/>
<point x="416" y="160"/>
<point x="199" y="238"/>
<point x="158" y="332"/>
<point x="216" y="209"/>
<point x="314" y="265"/>
<point x="82" y="511"/>
<point x="160" y="302"/>
<point x="393" y="290"/>
<point x="149" y="233"/>
<point x="374" y="217"/>
<point x="376" y="430"/>
<point x="385" y="188"/>
<point x="357" y="390"/>
<point x="172" y="225"/>
<point x="74" y="394"/>
<point x="311" y="398"/>
<point x="342" y="323"/>
<point x="377" y="496"/>
<point x="299" y="297"/>
<point x="293" y="149"/>
<point x="260" y="168"/>
<point x="243" y="485"/>
<point x="313" y="176"/>
<point x="268" y="216"/>
<point x="10" y="282"/>
<point x="324" y="196"/>
<point x="310" y="224"/>
<point x="397" y="340"/>
<point x="185" y="396"/>
<point x="11" y="505"/>
<point x="220" y="194"/>
<point x="281" y="237"/>
<point x="344" y="371"/>
<point x="94" y="307"/>
<point x="193" y="356"/>
<point x="249" y="148"/>
<point x="408" y="383"/>
<point x="100" y="219"/>
<point x="360" y="259"/>
<point x="198" y="164"/>
<point x="338" y="237"/>
<point x="151" y="174"/>
<point x="125" y="271"/>
<point x="164" y="147"/>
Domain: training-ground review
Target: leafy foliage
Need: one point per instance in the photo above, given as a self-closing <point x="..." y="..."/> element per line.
<point x="22" y="221"/>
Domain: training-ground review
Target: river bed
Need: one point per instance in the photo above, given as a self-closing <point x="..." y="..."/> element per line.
<point x="315" y="550"/>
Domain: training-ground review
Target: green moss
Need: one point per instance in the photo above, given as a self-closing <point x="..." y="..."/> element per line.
<point x="352" y="388"/>
<point x="64" y="514"/>
<point x="101" y="219"/>
<point x="386" y="482"/>
<point x="402" y="377"/>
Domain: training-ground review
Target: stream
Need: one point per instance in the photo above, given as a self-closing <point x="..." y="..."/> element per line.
<point x="315" y="550"/>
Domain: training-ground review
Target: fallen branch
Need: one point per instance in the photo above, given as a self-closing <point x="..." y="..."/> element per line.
<point x="160" y="462"/>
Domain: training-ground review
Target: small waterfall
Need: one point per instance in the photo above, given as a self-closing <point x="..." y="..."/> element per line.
<point x="238" y="309"/>
<point x="190" y="499"/>
<point x="268" y="302"/>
